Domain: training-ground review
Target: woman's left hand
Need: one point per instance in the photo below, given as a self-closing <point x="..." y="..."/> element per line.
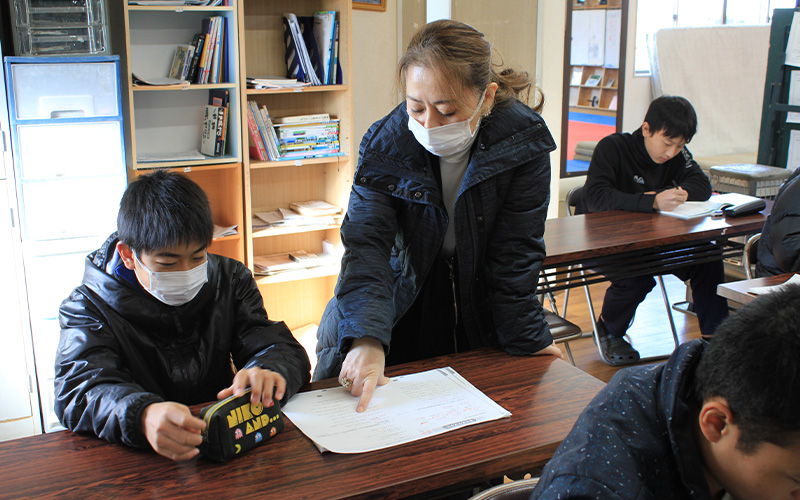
<point x="362" y="370"/>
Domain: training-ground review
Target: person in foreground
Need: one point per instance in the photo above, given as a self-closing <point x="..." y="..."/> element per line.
<point x="158" y="322"/>
<point x="650" y="170"/>
<point x="718" y="420"/>
<point x="444" y="233"/>
<point x="779" y="245"/>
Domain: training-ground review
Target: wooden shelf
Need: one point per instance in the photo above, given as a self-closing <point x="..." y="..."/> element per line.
<point x="296" y="297"/>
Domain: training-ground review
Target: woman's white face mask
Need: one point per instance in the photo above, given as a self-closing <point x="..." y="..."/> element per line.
<point x="446" y="140"/>
<point x="175" y="288"/>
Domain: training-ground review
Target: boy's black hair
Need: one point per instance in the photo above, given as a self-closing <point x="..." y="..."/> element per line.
<point x="673" y="115"/>
<point x="753" y="363"/>
<point x="163" y="210"/>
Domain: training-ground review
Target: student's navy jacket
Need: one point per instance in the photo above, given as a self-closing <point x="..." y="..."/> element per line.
<point x="779" y="246"/>
<point x="396" y="222"/>
<point x="634" y="440"/>
<point x="122" y="349"/>
<point x="621" y="172"/>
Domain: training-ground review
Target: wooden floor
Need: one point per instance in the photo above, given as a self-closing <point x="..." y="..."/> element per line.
<point x="650" y="333"/>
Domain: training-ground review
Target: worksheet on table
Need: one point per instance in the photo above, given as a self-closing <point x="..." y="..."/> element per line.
<point x="408" y="408"/>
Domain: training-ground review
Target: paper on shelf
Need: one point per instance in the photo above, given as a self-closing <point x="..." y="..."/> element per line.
<point x="761" y="290"/>
<point x="409" y="408"/>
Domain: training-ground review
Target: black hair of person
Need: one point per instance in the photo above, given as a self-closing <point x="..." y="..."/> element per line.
<point x="752" y="362"/>
<point x="163" y="210"/>
<point x="673" y="115"/>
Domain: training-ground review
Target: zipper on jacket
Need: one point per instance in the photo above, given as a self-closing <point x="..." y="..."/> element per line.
<point x="455" y="302"/>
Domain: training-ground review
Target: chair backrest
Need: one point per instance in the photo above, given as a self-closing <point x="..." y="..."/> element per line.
<point x="750" y="257"/>
<point x="574" y="197"/>
<point x="517" y="490"/>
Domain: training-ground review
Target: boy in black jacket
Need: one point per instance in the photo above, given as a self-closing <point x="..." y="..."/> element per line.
<point x="648" y="171"/>
<point x="717" y="421"/>
<point x="157" y="323"/>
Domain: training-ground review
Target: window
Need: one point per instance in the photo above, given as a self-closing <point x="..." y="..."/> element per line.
<point x="653" y="15"/>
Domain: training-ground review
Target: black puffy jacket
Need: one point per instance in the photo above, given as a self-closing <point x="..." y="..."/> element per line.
<point x="779" y="246"/>
<point x="121" y="349"/>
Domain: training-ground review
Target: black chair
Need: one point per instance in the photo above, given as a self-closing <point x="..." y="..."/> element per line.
<point x="572" y="200"/>
<point x="517" y="490"/>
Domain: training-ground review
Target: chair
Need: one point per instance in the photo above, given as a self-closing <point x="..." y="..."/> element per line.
<point x="561" y="329"/>
<point x="571" y="201"/>
<point x="750" y="257"/>
<point x="517" y="490"/>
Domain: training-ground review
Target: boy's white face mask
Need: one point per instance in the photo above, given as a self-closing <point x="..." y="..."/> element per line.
<point x="446" y="140"/>
<point x="175" y="288"/>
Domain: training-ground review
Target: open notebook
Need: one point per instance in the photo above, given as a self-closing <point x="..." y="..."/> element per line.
<point x="694" y="209"/>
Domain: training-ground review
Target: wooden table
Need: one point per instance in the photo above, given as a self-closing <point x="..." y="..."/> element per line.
<point x="636" y="243"/>
<point x="737" y="290"/>
<point x="545" y="396"/>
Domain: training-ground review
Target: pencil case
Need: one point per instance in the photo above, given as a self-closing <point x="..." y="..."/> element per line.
<point x="234" y="425"/>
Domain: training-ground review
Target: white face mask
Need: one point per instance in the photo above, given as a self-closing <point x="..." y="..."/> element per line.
<point x="175" y="288"/>
<point x="446" y="140"/>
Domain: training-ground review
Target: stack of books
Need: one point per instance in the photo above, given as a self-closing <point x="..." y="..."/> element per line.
<point x="205" y="59"/>
<point x="305" y="213"/>
<point x="291" y="137"/>
<point x="312" y="52"/>
<point x="274" y="82"/>
<point x="269" y="265"/>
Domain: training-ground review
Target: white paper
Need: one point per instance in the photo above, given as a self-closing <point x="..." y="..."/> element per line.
<point x="408" y="408"/>
<point x="794" y="97"/>
<point x="793" y="44"/>
<point x="695" y="209"/>
<point x="794" y="150"/>
<point x="761" y="290"/>
<point x="613" y="32"/>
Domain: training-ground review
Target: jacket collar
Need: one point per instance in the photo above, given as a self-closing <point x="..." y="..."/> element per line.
<point x="130" y="300"/>
<point x="676" y="398"/>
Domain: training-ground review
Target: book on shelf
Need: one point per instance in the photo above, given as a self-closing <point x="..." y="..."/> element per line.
<point x="272" y="138"/>
<point x="197" y="42"/>
<point x="221" y="98"/>
<point x="274" y="82"/>
<point x="222" y="231"/>
<point x="286" y="217"/>
<point x="212" y="118"/>
<point x="302" y="54"/>
<point x="314" y="208"/>
<point x="324" y="35"/>
<point x="181" y="61"/>
<point x="593" y="81"/>
<point x="316" y="117"/>
<point x="256" y="144"/>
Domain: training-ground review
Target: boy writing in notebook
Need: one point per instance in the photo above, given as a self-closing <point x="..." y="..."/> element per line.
<point x="157" y="323"/>
<point x="650" y="170"/>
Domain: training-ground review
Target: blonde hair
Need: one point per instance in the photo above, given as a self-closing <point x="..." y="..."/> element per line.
<point x="460" y="55"/>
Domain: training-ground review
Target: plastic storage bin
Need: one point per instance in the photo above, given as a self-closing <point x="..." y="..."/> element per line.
<point x="59" y="90"/>
<point x="59" y="27"/>
<point x="762" y="181"/>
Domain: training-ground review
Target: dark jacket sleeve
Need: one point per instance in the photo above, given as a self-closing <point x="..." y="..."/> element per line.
<point x="364" y="295"/>
<point x="784" y="233"/>
<point x="601" y="193"/>
<point x="262" y="342"/>
<point x="94" y="392"/>
<point x="514" y="259"/>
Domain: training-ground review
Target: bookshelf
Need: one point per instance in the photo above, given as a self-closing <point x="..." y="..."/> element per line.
<point x="296" y="297"/>
<point x="165" y="120"/>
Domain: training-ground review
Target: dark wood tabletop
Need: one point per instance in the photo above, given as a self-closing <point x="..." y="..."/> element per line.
<point x="545" y="395"/>
<point x="589" y="236"/>
<point x="737" y="290"/>
<point x="619" y="244"/>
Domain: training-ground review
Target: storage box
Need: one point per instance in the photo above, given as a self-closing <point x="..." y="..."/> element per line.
<point x="58" y="27"/>
<point x="762" y="181"/>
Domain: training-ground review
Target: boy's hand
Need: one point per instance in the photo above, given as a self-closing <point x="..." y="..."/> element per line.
<point x="263" y="382"/>
<point x="670" y="199"/>
<point x="172" y="430"/>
